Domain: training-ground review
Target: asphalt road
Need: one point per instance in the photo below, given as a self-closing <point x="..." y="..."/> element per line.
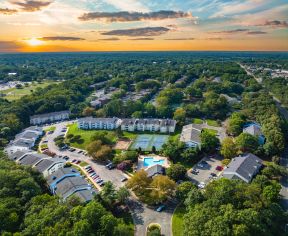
<point x="142" y="215"/>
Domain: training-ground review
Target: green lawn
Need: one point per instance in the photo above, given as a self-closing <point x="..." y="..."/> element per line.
<point x="86" y="135"/>
<point x="51" y="128"/>
<point x="83" y="164"/>
<point x="213" y="123"/>
<point x="177" y="221"/>
<point x="197" y="121"/>
<point x="212" y="131"/>
<point x="14" y="93"/>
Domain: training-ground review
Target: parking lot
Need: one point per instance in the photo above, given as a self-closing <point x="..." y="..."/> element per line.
<point x="204" y="168"/>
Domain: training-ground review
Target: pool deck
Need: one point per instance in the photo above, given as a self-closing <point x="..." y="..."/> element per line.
<point x="140" y="165"/>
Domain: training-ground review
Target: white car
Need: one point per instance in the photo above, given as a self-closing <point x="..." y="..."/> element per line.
<point x="201" y="185"/>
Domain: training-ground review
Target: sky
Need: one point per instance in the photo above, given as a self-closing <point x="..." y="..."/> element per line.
<point x="143" y="25"/>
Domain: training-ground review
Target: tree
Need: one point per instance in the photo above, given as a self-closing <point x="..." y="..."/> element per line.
<point x="176" y="172"/>
<point x="173" y="149"/>
<point x="183" y="189"/>
<point x="228" y="148"/>
<point x="108" y="193"/>
<point x="235" y="123"/>
<point x="123" y="194"/>
<point x="180" y="115"/>
<point x="247" y="142"/>
<point x="88" y="111"/>
<point x="209" y="142"/>
<point x="98" y="151"/>
<point x="162" y="188"/>
<point x="194" y="196"/>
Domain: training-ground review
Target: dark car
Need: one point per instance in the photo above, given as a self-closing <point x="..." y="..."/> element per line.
<point x="123" y="179"/>
<point x="160" y="208"/>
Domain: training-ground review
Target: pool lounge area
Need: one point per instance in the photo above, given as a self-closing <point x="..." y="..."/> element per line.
<point x="147" y="161"/>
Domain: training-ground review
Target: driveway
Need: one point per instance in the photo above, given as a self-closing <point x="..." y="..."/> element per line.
<point x="204" y="172"/>
<point x="142" y="215"/>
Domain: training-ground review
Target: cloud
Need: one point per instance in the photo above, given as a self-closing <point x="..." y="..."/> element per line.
<point x="7" y="11"/>
<point x="213" y="38"/>
<point x="231" y="31"/>
<point x="9" y="46"/>
<point x="256" y="32"/>
<point x="109" y="39"/>
<point x="143" y="39"/>
<point x="180" y="39"/>
<point x="31" y="5"/>
<point x="60" y="38"/>
<point x="125" y="16"/>
<point x="136" y="32"/>
<point x="128" y="5"/>
<point x="276" y="24"/>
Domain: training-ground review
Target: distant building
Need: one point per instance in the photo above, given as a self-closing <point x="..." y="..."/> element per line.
<point x="152" y="125"/>
<point x="190" y="135"/>
<point x="25" y="140"/>
<point x="49" y="117"/>
<point x="243" y="167"/>
<point x="99" y="123"/>
<point x="68" y="182"/>
<point x="255" y="130"/>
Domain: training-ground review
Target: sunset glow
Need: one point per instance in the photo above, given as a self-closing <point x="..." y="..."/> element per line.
<point x="102" y="25"/>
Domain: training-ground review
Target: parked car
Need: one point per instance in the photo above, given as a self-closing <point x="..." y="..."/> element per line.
<point x="123" y="179"/>
<point x="95" y="176"/>
<point x="77" y="162"/>
<point x="201" y="185"/>
<point x="92" y="174"/>
<point x="74" y="160"/>
<point x="102" y="184"/>
<point x="87" y="167"/>
<point x="66" y="158"/>
<point x="195" y="171"/>
<point x="99" y="181"/>
<point x="219" y="168"/>
<point x="160" y="208"/>
<point x="110" y="167"/>
<point x="90" y="171"/>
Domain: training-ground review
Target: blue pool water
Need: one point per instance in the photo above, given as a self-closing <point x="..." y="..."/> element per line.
<point x="149" y="161"/>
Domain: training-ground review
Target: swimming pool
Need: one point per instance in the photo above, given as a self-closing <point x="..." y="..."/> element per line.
<point x="149" y="161"/>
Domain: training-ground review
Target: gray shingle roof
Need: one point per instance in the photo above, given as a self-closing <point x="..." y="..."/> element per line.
<point x="23" y="142"/>
<point x="155" y="170"/>
<point x="253" y="130"/>
<point x="60" y="173"/>
<point x="245" y="167"/>
<point x="29" y="159"/>
<point x="69" y="185"/>
<point x="47" y="163"/>
<point x="16" y="155"/>
<point x="85" y="195"/>
<point x="191" y="133"/>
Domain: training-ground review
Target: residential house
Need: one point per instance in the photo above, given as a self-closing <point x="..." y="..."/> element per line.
<point x="49" y="117"/>
<point x="190" y="135"/>
<point x="99" y="123"/>
<point x="25" y="140"/>
<point x="243" y="167"/>
<point x="68" y="182"/>
<point x="255" y="130"/>
<point x="41" y="162"/>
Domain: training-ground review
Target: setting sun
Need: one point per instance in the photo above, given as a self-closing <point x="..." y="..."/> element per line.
<point x="34" y="42"/>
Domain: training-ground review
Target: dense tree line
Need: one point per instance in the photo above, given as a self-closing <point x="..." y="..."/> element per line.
<point x="232" y="207"/>
<point x="26" y="208"/>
